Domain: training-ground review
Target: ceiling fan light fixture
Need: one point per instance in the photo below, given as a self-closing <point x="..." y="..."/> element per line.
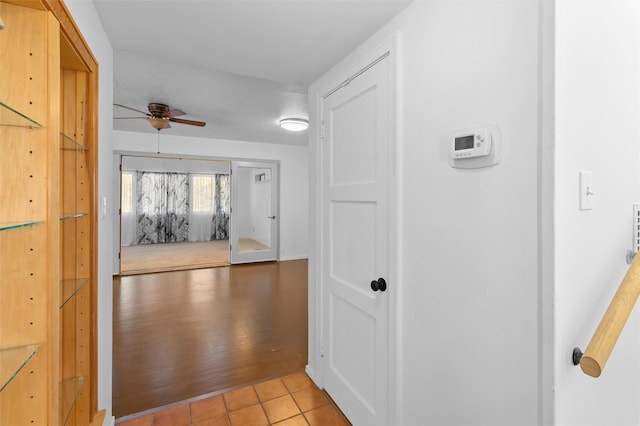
<point x="158" y="123"/>
<point x="294" y="124"/>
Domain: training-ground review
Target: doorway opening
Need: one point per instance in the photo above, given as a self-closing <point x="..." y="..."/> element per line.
<point x="174" y="214"/>
<point x="192" y="213"/>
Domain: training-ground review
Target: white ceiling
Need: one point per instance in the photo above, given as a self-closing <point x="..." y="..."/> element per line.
<point x="239" y="65"/>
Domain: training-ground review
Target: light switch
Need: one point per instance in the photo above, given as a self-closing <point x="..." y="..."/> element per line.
<point x="586" y="190"/>
<point x="103" y="213"/>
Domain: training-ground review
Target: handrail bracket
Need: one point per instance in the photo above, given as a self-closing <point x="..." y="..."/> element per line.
<point x="576" y="356"/>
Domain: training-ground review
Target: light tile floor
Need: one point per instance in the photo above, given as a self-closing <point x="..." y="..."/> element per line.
<point x="292" y="400"/>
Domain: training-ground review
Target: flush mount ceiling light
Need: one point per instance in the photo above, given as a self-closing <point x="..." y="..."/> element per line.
<point x="294" y="124"/>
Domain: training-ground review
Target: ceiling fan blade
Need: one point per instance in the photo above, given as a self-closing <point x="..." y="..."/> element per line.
<point x="174" y="113"/>
<point x="132" y="109"/>
<point x="130" y="118"/>
<point x="190" y="122"/>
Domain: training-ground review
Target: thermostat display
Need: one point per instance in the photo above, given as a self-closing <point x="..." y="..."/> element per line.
<point x="476" y="143"/>
<point x="464" y="142"/>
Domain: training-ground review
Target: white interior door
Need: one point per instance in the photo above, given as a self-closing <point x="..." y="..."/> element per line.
<point x="254" y="212"/>
<point x="355" y="236"/>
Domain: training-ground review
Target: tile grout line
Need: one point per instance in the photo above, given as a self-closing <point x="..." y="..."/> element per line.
<point x="261" y="405"/>
<point x="310" y="386"/>
<point x="299" y="408"/>
<point x="226" y="409"/>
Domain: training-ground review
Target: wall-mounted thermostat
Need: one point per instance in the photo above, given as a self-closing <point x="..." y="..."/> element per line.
<point x="476" y="147"/>
<point x="476" y="143"/>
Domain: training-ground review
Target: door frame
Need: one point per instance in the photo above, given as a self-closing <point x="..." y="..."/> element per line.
<point x="118" y="158"/>
<point x="349" y="67"/>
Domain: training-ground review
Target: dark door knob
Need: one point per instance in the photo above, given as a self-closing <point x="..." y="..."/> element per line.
<point x="381" y="285"/>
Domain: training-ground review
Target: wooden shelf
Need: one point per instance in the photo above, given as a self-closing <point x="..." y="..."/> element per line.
<point x="12" y="360"/>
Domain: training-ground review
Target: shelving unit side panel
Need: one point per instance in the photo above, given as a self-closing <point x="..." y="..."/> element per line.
<point x="91" y="141"/>
<point x="23" y="55"/>
<point x="76" y="240"/>
<point x="69" y="341"/>
<point x="54" y="210"/>
<point x="24" y="401"/>
<point x="23" y="174"/>
<point x="83" y="354"/>
<point x="24" y="321"/>
<point x="23" y="287"/>
<point x="78" y="316"/>
<point x="23" y="86"/>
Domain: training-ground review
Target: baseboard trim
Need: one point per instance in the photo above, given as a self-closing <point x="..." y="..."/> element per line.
<point x="312" y="374"/>
<point x="296" y="257"/>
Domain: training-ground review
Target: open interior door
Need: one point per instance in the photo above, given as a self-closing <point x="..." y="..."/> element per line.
<point x="254" y="212"/>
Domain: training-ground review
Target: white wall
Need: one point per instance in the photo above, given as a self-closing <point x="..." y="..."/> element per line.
<point x="294" y="209"/>
<point x="243" y="182"/>
<point x="254" y="205"/>
<point x="176" y="165"/>
<point x="597" y="73"/>
<point x="260" y="197"/>
<point x="88" y="22"/>
<point x="470" y="63"/>
<point x="469" y="330"/>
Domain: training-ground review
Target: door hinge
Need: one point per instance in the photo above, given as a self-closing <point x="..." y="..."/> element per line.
<point x="230" y="247"/>
<point x="321" y="351"/>
<point x="120" y="166"/>
<point x="118" y="255"/>
<point x="120" y="212"/>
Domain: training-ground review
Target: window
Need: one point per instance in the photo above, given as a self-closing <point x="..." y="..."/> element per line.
<point x="202" y="193"/>
<point x="126" y="201"/>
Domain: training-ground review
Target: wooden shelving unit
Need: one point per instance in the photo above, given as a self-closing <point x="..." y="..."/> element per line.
<point x="48" y="233"/>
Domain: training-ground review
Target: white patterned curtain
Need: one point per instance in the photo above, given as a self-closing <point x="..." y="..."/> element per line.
<point x="128" y="209"/>
<point x="222" y="199"/>
<point x="209" y="217"/>
<point x="162" y="207"/>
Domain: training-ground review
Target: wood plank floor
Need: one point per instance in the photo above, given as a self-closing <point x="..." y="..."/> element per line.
<point x="177" y="335"/>
<point x="148" y="258"/>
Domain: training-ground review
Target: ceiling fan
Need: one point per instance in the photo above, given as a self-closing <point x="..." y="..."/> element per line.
<point x="159" y="116"/>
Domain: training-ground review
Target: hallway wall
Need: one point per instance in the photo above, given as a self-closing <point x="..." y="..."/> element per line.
<point x="469" y="301"/>
<point x="597" y="129"/>
<point x="500" y="273"/>
<point x="468" y="269"/>
<point x="85" y="16"/>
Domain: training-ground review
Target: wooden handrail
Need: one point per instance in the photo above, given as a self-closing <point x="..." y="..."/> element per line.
<point x="604" y="339"/>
